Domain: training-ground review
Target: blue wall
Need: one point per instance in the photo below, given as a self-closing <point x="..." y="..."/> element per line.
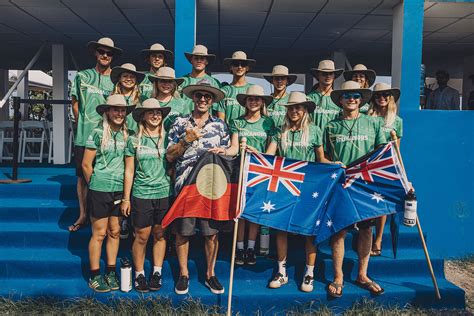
<point x="184" y="34"/>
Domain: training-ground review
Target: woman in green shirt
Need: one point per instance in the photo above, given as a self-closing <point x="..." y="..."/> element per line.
<point x="126" y="80"/>
<point x="298" y="139"/>
<point x="383" y="105"/>
<point x="146" y="169"/>
<point x="106" y="146"/>
<point x="257" y="128"/>
<point x="165" y="84"/>
<point x="366" y="78"/>
<point x="280" y="79"/>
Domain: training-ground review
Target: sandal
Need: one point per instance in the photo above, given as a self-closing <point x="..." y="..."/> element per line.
<point x="76" y="226"/>
<point x="337" y="286"/>
<point x="370" y="286"/>
<point x="375" y="252"/>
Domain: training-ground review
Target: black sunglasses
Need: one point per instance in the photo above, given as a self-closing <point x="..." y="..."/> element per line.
<point x="199" y="95"/>
<point x="103" y="52"/>
<point x="239" y="63"/>
<point x="383" y="94"/>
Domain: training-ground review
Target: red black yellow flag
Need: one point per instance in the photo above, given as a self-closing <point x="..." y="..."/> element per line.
<point x="210" y="191"/>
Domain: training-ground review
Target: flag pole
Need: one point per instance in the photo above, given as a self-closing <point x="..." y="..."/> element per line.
<point x="420" y="231"/>
<point x="236" y="225"/>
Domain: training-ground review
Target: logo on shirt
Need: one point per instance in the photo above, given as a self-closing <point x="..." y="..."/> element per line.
<point x="345" y="138"/>
<point x="320" y="110"/>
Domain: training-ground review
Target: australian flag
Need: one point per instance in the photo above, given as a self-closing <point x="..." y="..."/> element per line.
<point x="287" y="194"/>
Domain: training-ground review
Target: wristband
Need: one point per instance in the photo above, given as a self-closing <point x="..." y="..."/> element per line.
<point x="125" y="200"/>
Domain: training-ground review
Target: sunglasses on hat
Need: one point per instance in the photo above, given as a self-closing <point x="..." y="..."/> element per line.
<point x="199" y="95"/>
<point x="105" y="52"/>
<point x="239" y="63"/>
<point x="351" y="95"/>
<point x="382" y="94"/>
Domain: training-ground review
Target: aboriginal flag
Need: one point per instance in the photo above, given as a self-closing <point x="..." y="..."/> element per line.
<point x="210" y="191"/>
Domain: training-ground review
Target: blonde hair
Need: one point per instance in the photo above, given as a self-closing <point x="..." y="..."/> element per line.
<point x="107" y="131"/>
<point x="304" y="126"/>
<point x="135" y="93"/>
<point x="263" y="108"/>
<point x="389" y="118"/>
<point x="156" y="91"/>
<point x="141" y="130"/>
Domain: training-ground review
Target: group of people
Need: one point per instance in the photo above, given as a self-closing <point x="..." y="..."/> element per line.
<point x="139" y="135"/>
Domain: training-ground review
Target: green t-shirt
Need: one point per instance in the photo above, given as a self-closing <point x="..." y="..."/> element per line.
<point x="188" y="80"/>
<point x="342" y="145"/>
<point x="325" y="110"/>
<point x="178" y="108"/>
<point x="109" y="165"/>
<point x="146" y="87"/>
<point x="277" y="111"/>
<point x="396" y="126"/>
<point x="90" y="89"/>
<point x="365" y="108"/>
<point x="257" y="133"/>
<point x="151" y="180"/>
<point x="295" y="148"/>
<point x="131" y="123"/>
<point x="229" y="106"/>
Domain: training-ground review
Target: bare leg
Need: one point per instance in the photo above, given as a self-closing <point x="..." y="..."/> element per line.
<point x="113" y="240"/>
<point x="364" y="245"/>
<point x="211" y="248"/>
<point x="253" y="231"/>
<point x="310" y="249"/>
<point x="282" y="245"/>
<point x="241" y="230"/>
<point x="337" y="245"/>
<point x="182" y="250"/>
<point x="82" y="197"/>
<point x="159" y="245"/>
<point x="139" y="247"/>
<point x="99" y="231"/>
<point x="379" y="226"/>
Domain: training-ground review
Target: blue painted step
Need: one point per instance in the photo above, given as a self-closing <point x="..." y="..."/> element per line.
<point x="39" y="210"/>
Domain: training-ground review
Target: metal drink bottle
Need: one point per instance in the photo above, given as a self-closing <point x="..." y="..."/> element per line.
<point x="264" y="240"/>
<point x="409" y="216"/>
<point x="125" y="275"/>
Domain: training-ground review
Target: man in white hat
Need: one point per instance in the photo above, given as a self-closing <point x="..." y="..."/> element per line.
<point x="199" y="58"/>
<point x="229" y="108"/>
<point x="189" y="137"/>
<point x="320" y="93"/>
<point x="90" y="88"/>
<point x="347" y="138"/>
<point x="156" y="56"/>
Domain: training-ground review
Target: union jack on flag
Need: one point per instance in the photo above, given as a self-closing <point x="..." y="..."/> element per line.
<point x="275" y="170"/>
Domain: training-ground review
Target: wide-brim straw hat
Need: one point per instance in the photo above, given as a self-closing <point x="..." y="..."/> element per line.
<point x="119" y="70"/>
<point x="281" y="71"/>
<point x="204" y="85"/>
<point x="254" y="91"/>
<point x="326" y="66"/>
<point x="200" y="50"/>
<point x="299" y="98"/>
<point x="114" y="100"/>
<point x="383" y="87"/>
<point x="359" y="68"/>
<point x="158" y="48"/>
<point x="351" y="86"/>
<point x="149" y="104"/>
<point x="239" y="56"/>
<point x="106" y="42"/>
<point x="166" y="73"/>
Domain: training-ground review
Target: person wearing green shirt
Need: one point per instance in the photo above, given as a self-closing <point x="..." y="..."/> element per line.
<point x="156" y="56"/>
<point x="165" y="84"/>
<point x="148" y="187"/>
<point x="103" y="167"/>
<point x="298" y="139"/>
<point x="280" y="79"/>
<point x="126" y="80"/>
<point x="366" y="78"/>
<point x="199" y="58"/>
<point x="90" y="88"/>
<point x="239" y="65"/>
<point x="383" y="105"/>
<point x="347" y="138"/>
<point x="320" y="93"/>
<point x="257" y="128"/>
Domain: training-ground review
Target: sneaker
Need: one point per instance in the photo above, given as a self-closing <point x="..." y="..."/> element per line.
<point x="112" y="280"/>
<point x="250" y="257"/>
<point x="98" y="284"/>
<point x="307" y="285"/>
<point x="124" y="231"/>
<point x="182" y="286"/>
<point x="214" y="285"/>
<point x="155" y="281"/>
<point x="278" y="281"/>
<point x="240" y="257"/>
<point x="140" y="284"/>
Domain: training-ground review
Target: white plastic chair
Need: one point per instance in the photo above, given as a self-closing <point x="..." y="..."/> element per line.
<point x="33" y="132"/>
<point x="50" y="142"/>
<point x="6" y="141"/>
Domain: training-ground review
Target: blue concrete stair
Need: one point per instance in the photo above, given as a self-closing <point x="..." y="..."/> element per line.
<point x="39" y="257"/>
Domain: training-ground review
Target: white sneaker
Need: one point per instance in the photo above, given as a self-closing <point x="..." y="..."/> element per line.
<point x="278" y="281"/>
<point x="307" y="285"/>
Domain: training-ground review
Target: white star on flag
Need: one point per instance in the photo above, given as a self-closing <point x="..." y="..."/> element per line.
<point x="334" y="176"/>
<point x="315" y="195"/>
<point x="268" y="207"/>
<point x="329" y="223"/>
<point x="318" y="222"/>
<point x="378" y="197"/>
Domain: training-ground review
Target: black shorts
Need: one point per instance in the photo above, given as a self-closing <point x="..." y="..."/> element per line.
<point x="364" y="224"/>
<point x="103" y="204"/>
<point x="148" y="212"/>
<point x="189" y="225"/>
<point x="78" y="155"/>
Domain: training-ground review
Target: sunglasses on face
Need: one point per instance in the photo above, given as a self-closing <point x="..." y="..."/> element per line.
<point x="105" y="52"/>
<point x="383" y="94"/>
<point x="239" y="64"/>
<point x="354" y="95"/>
<point x="199" y="96"/>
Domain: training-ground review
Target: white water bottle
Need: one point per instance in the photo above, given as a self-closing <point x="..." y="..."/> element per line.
<point x="125" y="275"/>
<point x="409" y="216"/>
<point x="264" y="240"/>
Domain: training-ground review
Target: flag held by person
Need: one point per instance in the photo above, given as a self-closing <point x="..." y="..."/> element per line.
<point x="210" y="191"/>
